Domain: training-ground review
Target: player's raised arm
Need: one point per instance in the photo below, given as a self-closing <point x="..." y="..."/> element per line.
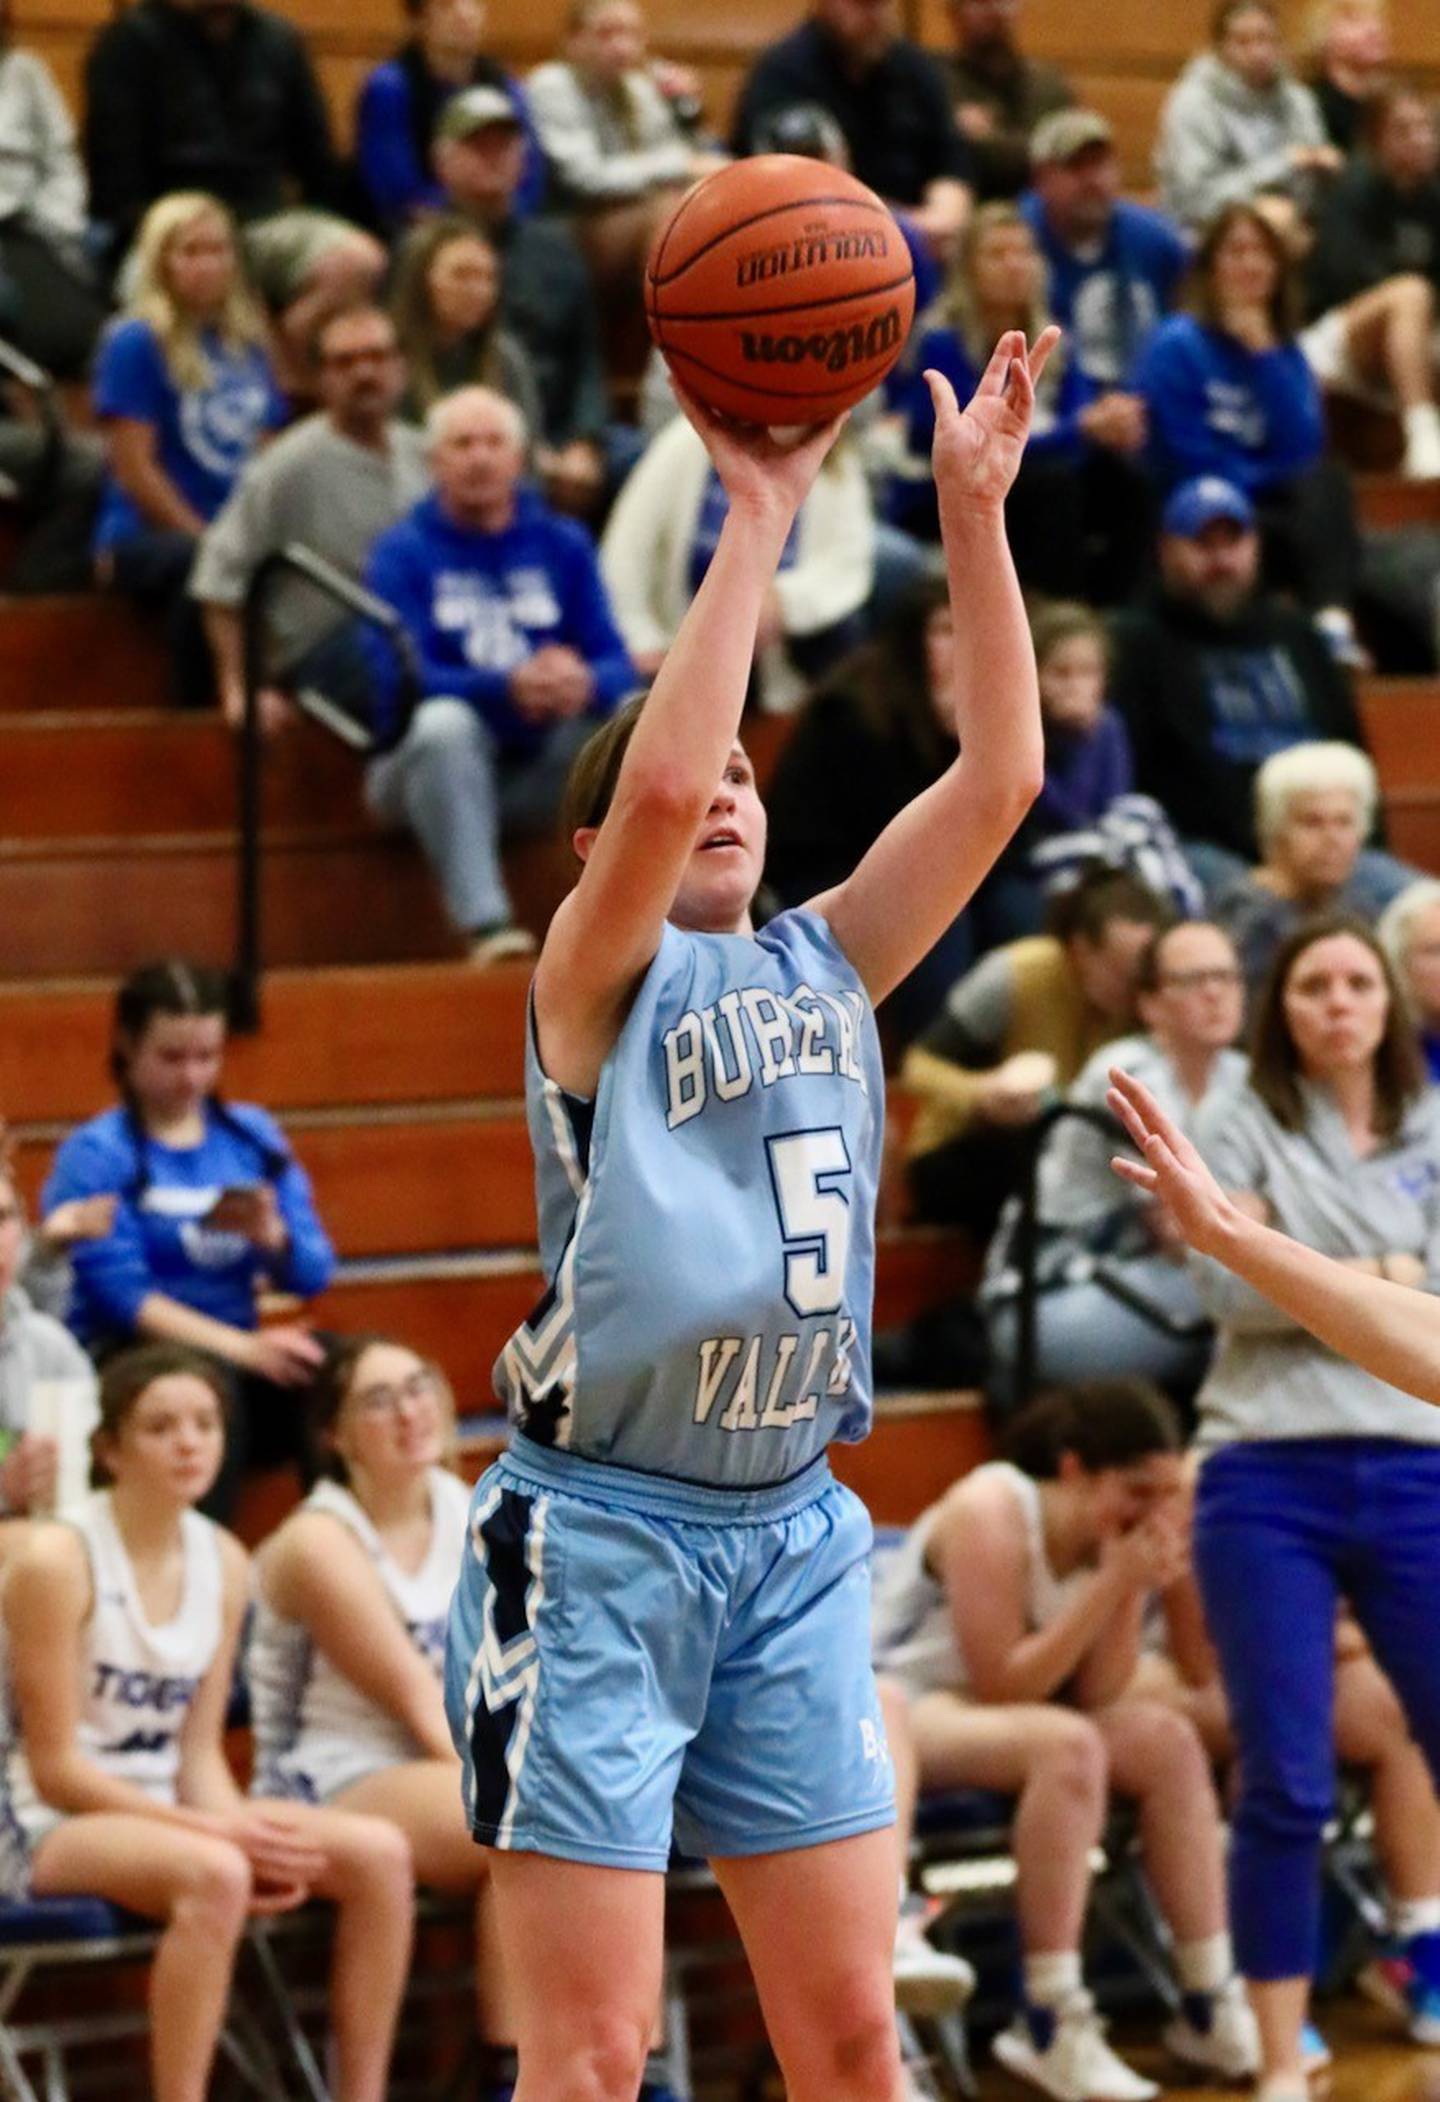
<point x="607" y="931"/>
<point x="1389" y="1329"/>
<point x="929" y="861"/>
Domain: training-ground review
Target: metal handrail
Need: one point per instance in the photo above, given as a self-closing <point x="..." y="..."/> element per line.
<point x="303" y="561"/>
<point x="1027" y="1242"/>
<point x="39" y="385"/>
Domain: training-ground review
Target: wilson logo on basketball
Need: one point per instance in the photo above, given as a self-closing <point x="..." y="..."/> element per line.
<point x="810" y="252"/>
<point x="837" y="349"/>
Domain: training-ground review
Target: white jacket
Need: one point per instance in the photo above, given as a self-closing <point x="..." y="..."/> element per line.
<point x="645" y="554"/>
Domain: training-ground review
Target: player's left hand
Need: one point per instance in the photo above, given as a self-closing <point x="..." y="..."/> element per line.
<point x="1170" y="1168"/>
<point x="976" y="454"/>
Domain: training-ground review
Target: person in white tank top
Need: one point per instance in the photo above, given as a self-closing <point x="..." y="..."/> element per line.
<point x="1012" y="1617"/>
<point x="121" y="1628"/>
<point x="354" y="1591"/>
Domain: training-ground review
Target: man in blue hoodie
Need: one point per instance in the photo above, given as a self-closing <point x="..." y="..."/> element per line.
<point x="519" y="655"/>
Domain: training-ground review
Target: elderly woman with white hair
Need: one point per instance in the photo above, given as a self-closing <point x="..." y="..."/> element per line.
<point x="1315" y="806"/>
<point x="518" y="656"/>
<point x="1409" y="932"/>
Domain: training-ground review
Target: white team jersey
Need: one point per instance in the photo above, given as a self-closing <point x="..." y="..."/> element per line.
<point x="912" y="1626"/>
<point x="138" y="1680"/>
<point x="315" y="1731"/>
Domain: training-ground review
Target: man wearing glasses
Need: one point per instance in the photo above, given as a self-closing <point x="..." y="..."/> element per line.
<point x="1116" y="1300"/>
<point x="334" y="482"/>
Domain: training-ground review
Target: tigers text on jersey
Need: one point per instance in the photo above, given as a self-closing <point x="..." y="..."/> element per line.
<point x="707" y="1224"/>
<point x="138" y="1679"/>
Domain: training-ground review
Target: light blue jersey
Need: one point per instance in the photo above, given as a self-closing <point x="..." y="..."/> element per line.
<point x="707" y="1223"/>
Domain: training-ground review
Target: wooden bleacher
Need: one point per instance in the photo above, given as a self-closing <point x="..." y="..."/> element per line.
<point x="1120" y="54"/>
<point x="396" y="1068"/>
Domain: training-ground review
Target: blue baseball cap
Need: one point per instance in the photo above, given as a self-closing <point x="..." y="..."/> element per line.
<point x="1204" y="501"/>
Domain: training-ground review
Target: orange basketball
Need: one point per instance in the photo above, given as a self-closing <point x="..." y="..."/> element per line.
<point x="780" y="290"/>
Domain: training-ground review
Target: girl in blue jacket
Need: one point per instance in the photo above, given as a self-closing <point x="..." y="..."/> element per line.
<point x="1228" y="391"/>
<point x="1071" y="492"/>
<point x="212" y="1205"/>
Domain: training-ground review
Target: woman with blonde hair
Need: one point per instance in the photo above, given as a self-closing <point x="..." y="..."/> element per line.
<point x="1058" y="504"/>
<point x="185" y="392"/>
<point x="445" y="304"/>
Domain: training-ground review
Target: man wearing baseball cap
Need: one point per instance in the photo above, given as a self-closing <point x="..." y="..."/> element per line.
<point x="547" y="297"/>
<point x="1115" y="267"/>
<point x="403" y="99"/>
<point x="1214" y="674"/>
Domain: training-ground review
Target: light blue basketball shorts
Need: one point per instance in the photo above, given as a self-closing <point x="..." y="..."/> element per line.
<point x="633" y="1660"/>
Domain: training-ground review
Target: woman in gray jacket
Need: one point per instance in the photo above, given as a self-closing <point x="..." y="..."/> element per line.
<point x="1320" y="1480"/>
<point x="1238" y="126"/>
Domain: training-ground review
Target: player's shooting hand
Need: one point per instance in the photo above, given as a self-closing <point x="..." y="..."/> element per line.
<point x="976" y="453"/>
<point x="762" y="475"/>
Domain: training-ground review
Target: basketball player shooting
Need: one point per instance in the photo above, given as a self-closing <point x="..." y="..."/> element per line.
<point x="1390" y="1330"/>
<point x="662" y="1629"/>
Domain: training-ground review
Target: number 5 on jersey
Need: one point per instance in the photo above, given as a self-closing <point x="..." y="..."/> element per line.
<point x="810" y="1173"/>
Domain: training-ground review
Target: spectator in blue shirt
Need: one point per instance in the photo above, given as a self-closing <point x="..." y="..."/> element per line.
<point x="212" y="1205"/>
<point x="1116" y="268"/>
<point x="1229" y="393"/>
<point x="518" y="651"/>
<point x="185" y="394"/>
<point x="400" y="104"/>
<point x="1059" y="509"/>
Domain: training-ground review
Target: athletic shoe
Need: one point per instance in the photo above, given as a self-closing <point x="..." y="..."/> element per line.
<point x="501" y="944"/>
<point x="1063" y="2052"/>
<point x="927" y="1980"/>
<point x="1315" y="2054"/>
<point x="1401" y="1987"/>
<point x="1216" y="2032"/>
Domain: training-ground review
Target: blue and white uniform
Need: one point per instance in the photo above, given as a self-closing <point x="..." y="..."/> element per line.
<point x="316" y="1732"/>
<point x="665" y="1604"/>
<point x="138" y="1683"/>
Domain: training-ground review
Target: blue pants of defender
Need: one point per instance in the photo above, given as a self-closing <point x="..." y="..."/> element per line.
<point x="1283" y="1531"/>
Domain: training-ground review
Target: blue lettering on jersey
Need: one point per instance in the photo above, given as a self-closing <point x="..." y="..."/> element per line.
<point x="756" y="1034"/>
<point x="141" y="1741"/>
<point x="142" y="1689"/>
<point x="428" y="1637"/>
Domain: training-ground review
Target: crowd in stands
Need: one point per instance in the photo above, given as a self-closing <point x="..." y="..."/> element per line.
<point x="428" y="364"/>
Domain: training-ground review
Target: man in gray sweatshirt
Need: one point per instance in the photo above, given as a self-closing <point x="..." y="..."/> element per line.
<point x="334" y="482"/>
<point x="1237" y="126"/>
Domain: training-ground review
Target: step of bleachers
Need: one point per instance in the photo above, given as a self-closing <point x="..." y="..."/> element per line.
<point x="92" y="650"/>
<point x="397" y="1034"/>
<point x="1402" y="727"/>
<point x="84" y="906"/>
<point x="132" y="772"/>
<point x="919" y="1447"/>
<point x="1388" y="503"/>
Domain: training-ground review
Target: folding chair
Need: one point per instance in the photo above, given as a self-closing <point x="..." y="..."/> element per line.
<point x="48" y="1938"/>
